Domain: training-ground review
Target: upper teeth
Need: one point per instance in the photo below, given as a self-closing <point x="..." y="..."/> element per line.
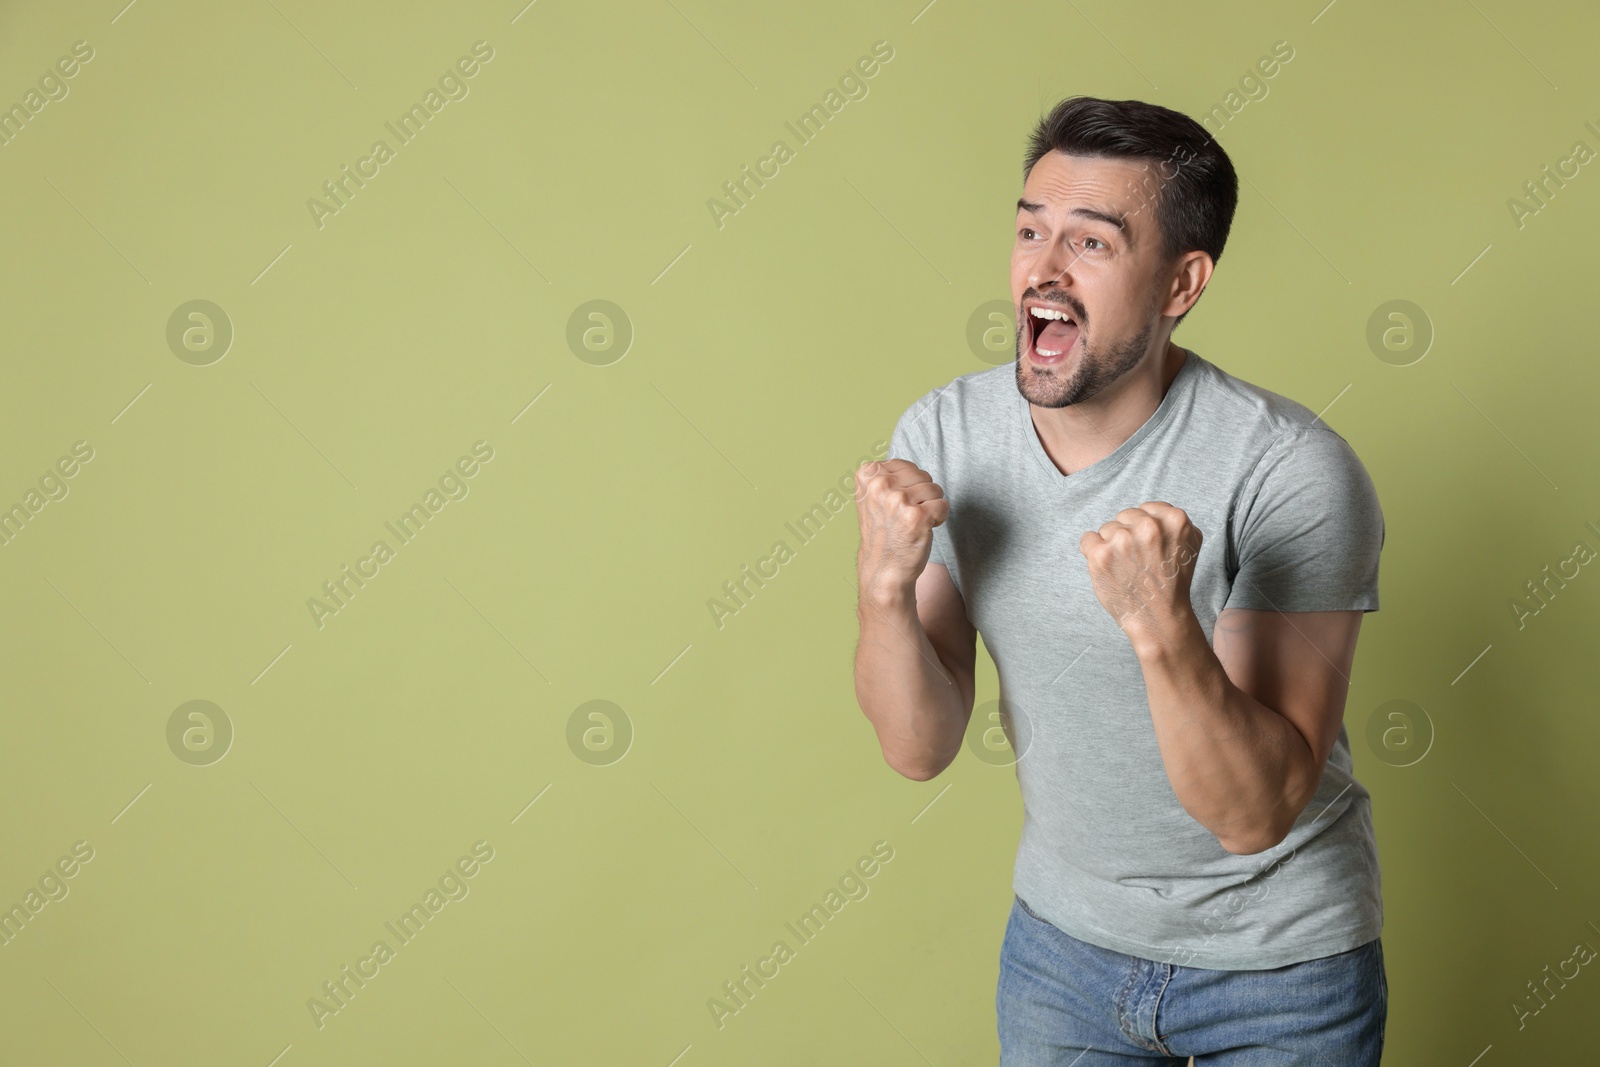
<point x="1048" y="313"/>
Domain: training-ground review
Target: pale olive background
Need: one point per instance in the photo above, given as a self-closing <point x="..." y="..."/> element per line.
<point x="768" y="357"/>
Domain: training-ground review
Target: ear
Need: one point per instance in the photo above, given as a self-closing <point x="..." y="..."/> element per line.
<point x="1189" y="277"/>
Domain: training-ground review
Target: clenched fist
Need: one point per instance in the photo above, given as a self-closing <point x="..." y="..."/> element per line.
<point x="898" y="504"/>
<point x="1141" y="564"/>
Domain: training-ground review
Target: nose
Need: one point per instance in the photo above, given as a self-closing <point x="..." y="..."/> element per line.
<point x="1051" y="267"/>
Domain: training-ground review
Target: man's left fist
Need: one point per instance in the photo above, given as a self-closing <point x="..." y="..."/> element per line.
<point x="1141" y="564"/>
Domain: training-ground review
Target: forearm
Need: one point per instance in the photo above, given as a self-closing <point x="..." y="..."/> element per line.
<point x="914" y="704"/>
<point x="1240" y="768"/>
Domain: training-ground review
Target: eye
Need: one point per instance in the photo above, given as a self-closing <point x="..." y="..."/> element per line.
<point x="1025" y="231"/>
<point x="1096" y="240"/>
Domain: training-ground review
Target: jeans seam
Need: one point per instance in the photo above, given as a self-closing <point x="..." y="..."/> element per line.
<point x="1155" y="1014"/>
<point x="1122" y="998"/>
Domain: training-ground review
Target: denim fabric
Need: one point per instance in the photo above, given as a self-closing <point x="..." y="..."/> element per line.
<point x="1062" y="1001"/>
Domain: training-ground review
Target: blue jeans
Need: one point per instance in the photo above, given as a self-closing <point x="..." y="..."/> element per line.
<point x="1062" y="1001"/>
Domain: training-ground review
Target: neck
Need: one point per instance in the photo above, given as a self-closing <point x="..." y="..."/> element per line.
<point x="1080" y="435"/>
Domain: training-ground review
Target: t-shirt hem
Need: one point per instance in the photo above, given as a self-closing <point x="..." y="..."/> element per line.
<point x="1260" y="960"/>
<point x="1248" y="602"/>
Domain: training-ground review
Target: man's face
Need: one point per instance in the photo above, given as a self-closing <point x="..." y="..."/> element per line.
<point x="1087" y="245"/>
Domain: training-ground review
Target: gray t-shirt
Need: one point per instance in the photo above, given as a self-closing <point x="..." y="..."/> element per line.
<point x="1290" y="521"/>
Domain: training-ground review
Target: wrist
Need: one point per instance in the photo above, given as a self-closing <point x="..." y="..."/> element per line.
<point x="888" y="594"/>
<point x="1157" y="638"/>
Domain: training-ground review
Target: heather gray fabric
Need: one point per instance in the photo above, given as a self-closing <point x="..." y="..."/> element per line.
<point x="1290" y="522"/>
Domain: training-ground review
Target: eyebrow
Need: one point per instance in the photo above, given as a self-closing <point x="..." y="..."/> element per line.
<point x="1119" y="221"/>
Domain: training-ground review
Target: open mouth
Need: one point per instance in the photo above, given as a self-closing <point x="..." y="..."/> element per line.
<point x="1052" y="331"/>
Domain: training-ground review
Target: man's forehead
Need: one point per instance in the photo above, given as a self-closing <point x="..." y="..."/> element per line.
<point x="1059" y="181"/>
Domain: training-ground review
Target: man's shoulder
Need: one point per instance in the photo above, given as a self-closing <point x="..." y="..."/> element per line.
<point x="1282" y="442"/>
<point x="1250" y="409"/>
<point x="974" y="397"/>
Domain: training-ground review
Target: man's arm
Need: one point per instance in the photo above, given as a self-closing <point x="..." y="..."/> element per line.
<point x="1244" y="730"/>
<point x="914" y="669"/>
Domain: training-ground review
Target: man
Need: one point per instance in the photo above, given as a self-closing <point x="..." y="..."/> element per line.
<point x="1169" y="566"/>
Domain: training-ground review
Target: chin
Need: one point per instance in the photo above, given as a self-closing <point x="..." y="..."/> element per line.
<point x="1045" y="389"/>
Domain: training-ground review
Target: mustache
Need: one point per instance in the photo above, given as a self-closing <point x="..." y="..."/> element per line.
<point x="1058" y="299"/>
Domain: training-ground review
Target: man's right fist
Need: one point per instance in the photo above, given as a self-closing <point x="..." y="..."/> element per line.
<point x="898" y="504"/>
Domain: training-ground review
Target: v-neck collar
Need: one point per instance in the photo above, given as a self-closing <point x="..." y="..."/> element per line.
<point x="1177" y="390"/>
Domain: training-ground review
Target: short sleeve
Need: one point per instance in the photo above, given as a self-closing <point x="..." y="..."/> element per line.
<point x="1309" y="529"/>
<point x="907" y="442"/>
